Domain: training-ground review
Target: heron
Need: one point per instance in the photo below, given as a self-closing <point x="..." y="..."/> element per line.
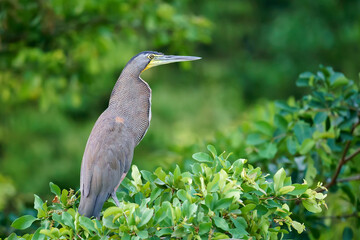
<point x="118" y="130"/>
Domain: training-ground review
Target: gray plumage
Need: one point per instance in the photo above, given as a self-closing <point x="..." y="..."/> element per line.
<point x="118" y="130"/>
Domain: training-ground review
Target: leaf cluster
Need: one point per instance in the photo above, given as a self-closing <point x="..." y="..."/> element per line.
<point x="316" y="138"/>
<point x="216" y="199"/>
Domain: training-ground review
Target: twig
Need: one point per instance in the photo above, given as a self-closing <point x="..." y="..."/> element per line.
<point x="281" y="198"/>
<point x="338" y="168"/>
<point x="348" y="179"/>
<point x="342" y="161"/>
<point x="355" y="214"/>
<point x="351" y="156"/>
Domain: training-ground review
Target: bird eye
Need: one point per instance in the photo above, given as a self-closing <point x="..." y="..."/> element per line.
<point x="151" y="56"/>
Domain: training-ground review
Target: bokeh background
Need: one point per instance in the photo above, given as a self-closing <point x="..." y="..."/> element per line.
<point x="60" y="59"/>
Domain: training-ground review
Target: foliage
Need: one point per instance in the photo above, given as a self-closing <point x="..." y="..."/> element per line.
<point x="66" y="45"/>
<point x="59" y="62"/>
<point x="7" y="190"/>
<point x="317" y="139"/>
<point x="216" y="199"/>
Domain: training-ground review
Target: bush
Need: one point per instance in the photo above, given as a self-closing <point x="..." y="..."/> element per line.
<point x="316" y="138"/>
<point x="216" y="199"/>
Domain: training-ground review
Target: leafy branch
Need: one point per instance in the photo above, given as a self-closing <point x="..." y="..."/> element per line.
<point x="344" y="159"/>
<point x="215" y="198"/>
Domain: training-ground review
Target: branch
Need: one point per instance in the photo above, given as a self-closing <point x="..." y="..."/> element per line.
<point x="355" y="214"/>
<point x="342" y="161"/>
<point x="281" y="198"/>
<point x="351" y="156"/>
<point x="338" y="168"/>
<point x="348" y="179"/>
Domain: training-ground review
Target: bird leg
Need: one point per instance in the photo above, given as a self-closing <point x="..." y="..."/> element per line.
<point x="116" y="200"/>
<point x="113" y="195"/>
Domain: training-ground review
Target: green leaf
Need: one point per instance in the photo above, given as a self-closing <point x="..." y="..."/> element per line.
<point x="220" y="236"/>
<point x="299" y="189"/>
<point x="48" y="233"/>
<point x="223" y="203"/>
<point x="177" y="172"/>
<point x="63" y="197"/>
<point x="310" y="171"/>
<point x="280" y="122"/>
<point x="143" y="234"/>
<point x="306" y="146"/>
<point x="163" y="232"/>
<point x="38" y="202"/>
<point x="221" y="223"/>
<point x="87" y="224"/>
<point x="148" y="176"/>
<point x="248" y="208"/>
<point x="284" y="106"/>
<point x="264" y="127"/>
<point x="298" y="226"/>
<point x="254" y="139"/>
<point x="57" y="218"/>
<point x="209" y="200"/>
<point x="55" y="232"/>
<point x="240" y="228"/>
<point x="68" y="220"/>
<point x="279" y="179"/>
<point x="311" y="205"/>
<point x="213" y="186"/>
<point x="320" y="117"/>
<point x="322" y="135"/>
<point x="188" y="210"/>
<point x="305" y="79"/>
<point x="112" y="211"/>
<point x="286" y="189"/>
<point x="12" y="236"/>
<point x="182" y="195"/>
<point x="202" y="157"/>
<point x="160" y="214"/>
<point x="40" y="206"/>
<point x="348" y="234"/>
<point x="338" y="79"/>
<point x="37" y="235"/>
<point x="23" y="222"/>
<point x="55" y="189"/>
<point x="108" y="223"/>
<point x="204" y="228"/>
<point x="212" y="149"/>
<point x="135" y="174"/>
<point x="155" y="194"/>
<point x="302" y="131"/>
<point x="147" y="214"/>
<point x="268" y="151"/>
<point x="291" y="145"/>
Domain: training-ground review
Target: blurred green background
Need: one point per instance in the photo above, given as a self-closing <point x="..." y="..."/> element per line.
<point x="60" y="59"/>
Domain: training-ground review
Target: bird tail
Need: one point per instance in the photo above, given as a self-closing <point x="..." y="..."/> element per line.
<point x="91" y="205"/>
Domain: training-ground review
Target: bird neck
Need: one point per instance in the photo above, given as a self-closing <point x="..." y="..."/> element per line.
<point x="126" y="83"/>
<point x="131" y="101"/>
<point x="131" y="71"/>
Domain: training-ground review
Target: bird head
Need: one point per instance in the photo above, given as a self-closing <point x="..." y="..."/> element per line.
<point x="156" y="59"/>
<point x="149" y="59"/>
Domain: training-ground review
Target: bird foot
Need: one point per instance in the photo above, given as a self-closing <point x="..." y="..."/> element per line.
<point x="116" y="200"/>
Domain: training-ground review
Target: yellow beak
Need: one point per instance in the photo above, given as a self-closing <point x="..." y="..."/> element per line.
<point x="165" y="59"/>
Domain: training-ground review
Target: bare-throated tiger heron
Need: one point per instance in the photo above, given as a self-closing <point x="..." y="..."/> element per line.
<point x="118" y="130"/>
